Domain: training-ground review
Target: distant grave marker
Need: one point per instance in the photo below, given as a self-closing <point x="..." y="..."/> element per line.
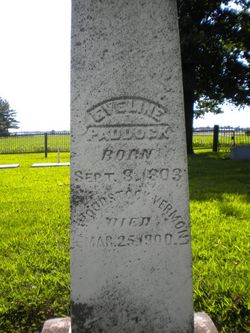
<point x="130" y="233"/>
<point x="240" y="153"/>
<point x="9" y="166"/>
<point x="44" y="165"/>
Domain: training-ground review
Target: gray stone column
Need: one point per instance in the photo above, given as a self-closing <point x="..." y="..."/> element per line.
<point x="130" y="234"/>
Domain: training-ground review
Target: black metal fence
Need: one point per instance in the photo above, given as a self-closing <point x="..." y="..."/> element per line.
<point x="220" y="138"/>
<point x="34" y="142"/>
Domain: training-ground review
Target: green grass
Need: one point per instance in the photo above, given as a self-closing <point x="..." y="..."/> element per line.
<point x="220" y="210"/>
<point x="34" y="248"/>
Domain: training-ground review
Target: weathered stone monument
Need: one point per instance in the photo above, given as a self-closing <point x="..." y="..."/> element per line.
<point x="130" y="234"/>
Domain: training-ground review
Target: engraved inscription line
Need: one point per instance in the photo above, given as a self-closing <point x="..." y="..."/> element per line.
<point x="128" y="221"/>
<point x="129" y="240"/>
<point x="130" y="175"/>
<point x="122" y="154"/>
<point x="170" y="214"/>
<point x="127" y="105"/>
<point x="123" y="132"/>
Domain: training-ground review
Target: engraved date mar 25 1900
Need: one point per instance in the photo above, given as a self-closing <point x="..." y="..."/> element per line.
<point x="147" y="239"/>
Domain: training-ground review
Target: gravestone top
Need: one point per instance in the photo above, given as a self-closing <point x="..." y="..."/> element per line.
<point x="240" y="153"/>
<point x="130" y="237"/>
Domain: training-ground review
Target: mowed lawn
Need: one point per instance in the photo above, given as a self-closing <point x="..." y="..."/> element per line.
<point x="34" y="247"/>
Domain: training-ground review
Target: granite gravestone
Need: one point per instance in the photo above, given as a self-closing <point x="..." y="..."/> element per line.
<point x="130" y="237"/>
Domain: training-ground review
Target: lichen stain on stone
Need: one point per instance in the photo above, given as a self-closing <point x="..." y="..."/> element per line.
<point x="121" y="310"/>
<point x="80" y="196"/>
<point x="83" y="318"/>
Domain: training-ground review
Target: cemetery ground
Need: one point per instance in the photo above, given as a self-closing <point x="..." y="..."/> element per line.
<point x="34" y="247"/>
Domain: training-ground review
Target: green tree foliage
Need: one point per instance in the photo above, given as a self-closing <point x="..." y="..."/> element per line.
<point x="7" y="118"/>
<point x="215" y="47"/>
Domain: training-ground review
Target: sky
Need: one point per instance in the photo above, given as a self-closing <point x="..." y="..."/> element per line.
<point x="35" y="66"/>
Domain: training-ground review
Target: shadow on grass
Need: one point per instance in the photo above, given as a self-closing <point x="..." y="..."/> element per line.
<point x="212" y="175"/>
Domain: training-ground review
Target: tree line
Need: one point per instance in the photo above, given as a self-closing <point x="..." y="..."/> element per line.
<point x="7" y="118"/>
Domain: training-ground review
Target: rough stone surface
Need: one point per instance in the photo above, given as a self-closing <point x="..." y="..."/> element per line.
<point x="57" y="325"/>
<point x="130" y="237"/>
<point x="203" y="323"/>
<point x="240" y="153"/>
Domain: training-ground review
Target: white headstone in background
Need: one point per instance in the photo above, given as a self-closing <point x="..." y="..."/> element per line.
<point x="130" y="234"/>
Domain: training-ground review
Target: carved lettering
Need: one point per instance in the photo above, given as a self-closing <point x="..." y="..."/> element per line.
<point x="128" y="174"/>
<point x="147" y="239"/>
<point x="95" y="205"/>
<point x="126" y="132"/>
<point x="94" y="176"/>
<point x="128" y="221"/>
<point x="128" y="154"/>
<point x="171" y="215"/>
<point x="127" y="106"/>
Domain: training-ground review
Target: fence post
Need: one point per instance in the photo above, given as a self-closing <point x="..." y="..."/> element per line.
<point x="215" y="138"/>
<point x="46" y="144"/>
<point x="233" y="138"/>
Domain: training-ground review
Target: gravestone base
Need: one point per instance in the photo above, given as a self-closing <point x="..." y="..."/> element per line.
<point x="57" y="325"/>
<point x="202" y="324"/>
